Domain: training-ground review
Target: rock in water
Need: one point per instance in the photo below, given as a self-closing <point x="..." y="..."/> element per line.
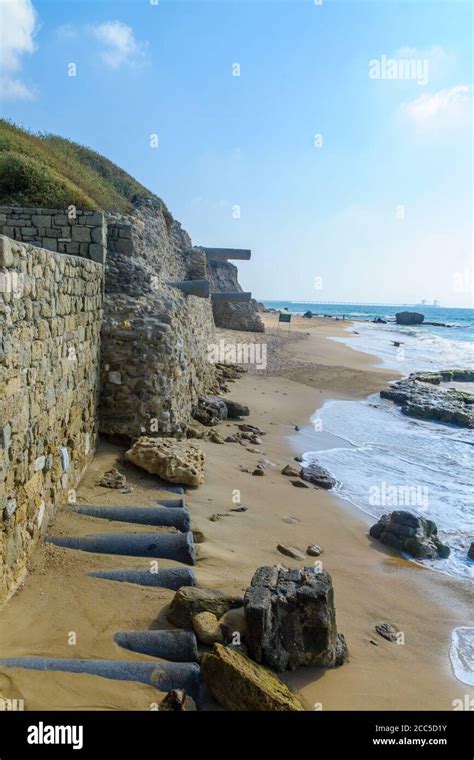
<point x="427" y="401"/>
<point x="408" y="533"/>
<point x="210" y="410"/>
<point x="237" y="683"/>
<point x="175" y="461"/>
<point x="189" y="601"/>
<point x="235" y="409"/>
<point x="291" y="619"/>
<point x="409" y="318"/>
<point x="207" y="629"/>
<point x="470" y="553"/>
<point x="318" y="476"/>
<point x="177" y="701"/>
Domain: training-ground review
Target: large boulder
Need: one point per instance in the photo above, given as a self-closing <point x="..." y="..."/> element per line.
<point x="427" y="401"/>
<point x="235" y="409"/>
<point x="189" y="601"/>
<point x="175" y="461"/>
<point x="411" y="534"/>
<point x="409" y="318"/>
<point x="291" y="619"/>
<point x="237" y="683"/>
<point x="210" y="410"/>
<point x="318" y="476"/>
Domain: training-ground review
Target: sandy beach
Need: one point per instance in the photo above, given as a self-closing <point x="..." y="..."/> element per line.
<point x="372" y="583"/>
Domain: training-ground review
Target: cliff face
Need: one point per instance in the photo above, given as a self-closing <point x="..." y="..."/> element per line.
<point x="223" y="276"/>
<point x="154" y="338"/>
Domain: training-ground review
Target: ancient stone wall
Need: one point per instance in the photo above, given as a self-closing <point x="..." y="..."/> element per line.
<point x="223" y="276"/>
<point x="80" y="233"/>
<point x="50" y="316"/>
<point x="154" y="338"/>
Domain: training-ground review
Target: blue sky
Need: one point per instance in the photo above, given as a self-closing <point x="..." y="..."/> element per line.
<point x="378" y="208"/>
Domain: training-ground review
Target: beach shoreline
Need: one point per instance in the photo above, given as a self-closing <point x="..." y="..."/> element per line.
<point x="372" y="583"/>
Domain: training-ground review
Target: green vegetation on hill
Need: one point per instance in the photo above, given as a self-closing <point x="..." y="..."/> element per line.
<point x="53" y="172"/>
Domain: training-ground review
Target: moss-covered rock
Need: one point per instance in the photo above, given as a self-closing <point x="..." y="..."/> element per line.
<point x="189" y="601"/>
<point x="237" y="683"/>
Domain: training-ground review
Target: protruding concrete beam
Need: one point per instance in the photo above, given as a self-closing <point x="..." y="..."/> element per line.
<point x="175" y="646"/>
<point x="176" y="546"/>
<point x="199" y="288"/>
<point x="164" y="676"/>
<point x="167" y="577"/>
<point x="175" y="503"/>
<point x="231" y="296"/>
<point x="224" y="254"/>
<point x="168" y="517"/>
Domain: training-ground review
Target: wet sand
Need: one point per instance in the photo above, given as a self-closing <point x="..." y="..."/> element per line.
<point x="372" y="583"/>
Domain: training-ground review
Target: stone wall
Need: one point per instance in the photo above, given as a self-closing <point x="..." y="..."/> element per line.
<point x="154" y="338"/>
<point x="80" y="233"/>
<point x="50" y="315"/>
<point x="223" y="276"/>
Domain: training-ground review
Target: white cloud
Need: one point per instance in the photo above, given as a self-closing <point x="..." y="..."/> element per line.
<point x="15" y="89"/>
<point x="119" y="44"/>
<point x="19" y="23"/>
<point x="449" y="106"/>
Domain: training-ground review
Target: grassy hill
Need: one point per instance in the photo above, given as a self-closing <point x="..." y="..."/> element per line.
<point x="53" y="172"/>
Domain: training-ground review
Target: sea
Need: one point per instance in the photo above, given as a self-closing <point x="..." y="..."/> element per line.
<point x="384" y="460"/>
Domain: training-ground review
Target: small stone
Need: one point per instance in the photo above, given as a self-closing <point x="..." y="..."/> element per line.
<point x="314" y="550"/>
<point x="207" y="629"/>
<point x="112" y="479"/>
<point x="216" y="437"/>
<point x="246" y="428"/>
<point x="291" y="471"/>
<point x="387" y="631"/>
<point x="10" y="508"/>
<point x="297" y="428"/>
<point x="299" y="484"/>
<point x="470" y="553"/>
<point x="259" y="470"/>
<point x="177" y="701"/>
<point x="290" y="551"/>
<point x="189" y="601"/>
<point x="198" y="536"/>
<point x="6" y="253"/>
<point x="239" y="509"/>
